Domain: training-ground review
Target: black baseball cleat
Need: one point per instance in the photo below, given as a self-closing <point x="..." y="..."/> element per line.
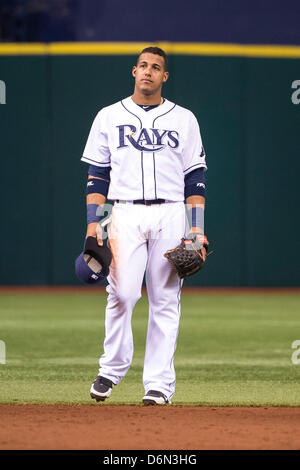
<point x="101" y="388"/>
<point x="154" y="397"/>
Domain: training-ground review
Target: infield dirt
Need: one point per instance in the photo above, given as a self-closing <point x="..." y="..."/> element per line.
<point x="81" y="427"/>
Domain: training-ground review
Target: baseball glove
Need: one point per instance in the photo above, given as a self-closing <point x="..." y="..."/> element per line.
<point x="187" y="258"/>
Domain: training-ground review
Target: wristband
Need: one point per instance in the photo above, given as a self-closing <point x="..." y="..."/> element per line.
<point x="94" y="213"/>
<point x="196" y="218"/>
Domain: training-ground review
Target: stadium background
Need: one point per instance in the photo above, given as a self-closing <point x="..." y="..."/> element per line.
<point x="56" y="82"/>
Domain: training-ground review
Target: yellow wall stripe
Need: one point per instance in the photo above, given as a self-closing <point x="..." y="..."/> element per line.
<point x="23" y="49"/>
<point x="133" y="48"/>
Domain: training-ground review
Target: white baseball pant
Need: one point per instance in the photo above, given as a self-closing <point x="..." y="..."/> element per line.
<point x="139" y="236"/>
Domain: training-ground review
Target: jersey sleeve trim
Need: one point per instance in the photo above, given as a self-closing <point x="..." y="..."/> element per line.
<point x="194" y="167"/>
<point x="88" y="160"/>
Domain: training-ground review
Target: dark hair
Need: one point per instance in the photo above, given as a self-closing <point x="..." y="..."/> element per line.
<point x="157" y="51"/>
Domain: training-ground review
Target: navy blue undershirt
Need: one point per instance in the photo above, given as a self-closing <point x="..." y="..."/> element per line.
<point x="147" y="107"/>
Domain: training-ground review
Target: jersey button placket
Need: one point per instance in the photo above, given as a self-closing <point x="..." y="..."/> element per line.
<point x="149" y="186"/>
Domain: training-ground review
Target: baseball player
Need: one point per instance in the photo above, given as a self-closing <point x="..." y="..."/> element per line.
<point x="145" y="153"/>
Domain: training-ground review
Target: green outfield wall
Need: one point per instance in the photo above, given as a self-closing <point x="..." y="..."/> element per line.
<point x="251" y="133"/>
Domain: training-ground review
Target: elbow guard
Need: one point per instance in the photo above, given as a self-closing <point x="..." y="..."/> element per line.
<point x="195" y="183"/>
<point x="95" y="185"/>
<point x="99" y="172"/>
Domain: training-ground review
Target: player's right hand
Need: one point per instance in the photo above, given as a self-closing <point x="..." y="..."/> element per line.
<point x="95" y="230"/>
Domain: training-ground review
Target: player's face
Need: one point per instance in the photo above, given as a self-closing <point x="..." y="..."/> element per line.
<point x="149" y="73"/>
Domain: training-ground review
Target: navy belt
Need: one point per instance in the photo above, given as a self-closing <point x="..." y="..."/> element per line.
<point x="146" y="202"/>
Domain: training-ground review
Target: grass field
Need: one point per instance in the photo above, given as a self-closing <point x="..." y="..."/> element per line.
<point x="233" y="349"/>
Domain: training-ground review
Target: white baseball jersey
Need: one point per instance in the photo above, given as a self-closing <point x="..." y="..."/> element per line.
<point x="149" y="152"/>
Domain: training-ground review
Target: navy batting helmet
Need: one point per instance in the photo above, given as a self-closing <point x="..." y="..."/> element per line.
<point x="92" y="265"/>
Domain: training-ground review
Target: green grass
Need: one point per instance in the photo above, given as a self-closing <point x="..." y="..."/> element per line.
<point x="232" y="350"/>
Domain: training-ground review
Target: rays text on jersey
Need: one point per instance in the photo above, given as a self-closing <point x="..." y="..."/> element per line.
<point x="147" y="140"/>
